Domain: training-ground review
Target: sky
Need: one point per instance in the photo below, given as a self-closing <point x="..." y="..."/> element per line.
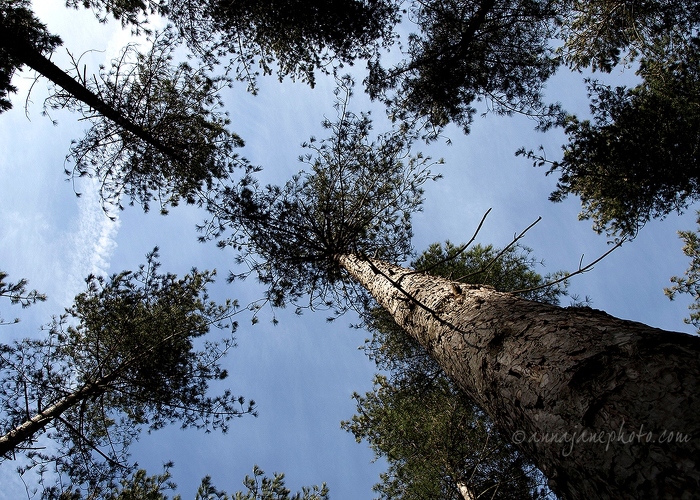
<point x="303" y="371"/>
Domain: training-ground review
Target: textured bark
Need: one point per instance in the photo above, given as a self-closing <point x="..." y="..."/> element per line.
<point x="606" y="408"/>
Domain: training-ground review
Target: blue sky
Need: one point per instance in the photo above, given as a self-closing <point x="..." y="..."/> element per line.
<point x="303" y="371"/>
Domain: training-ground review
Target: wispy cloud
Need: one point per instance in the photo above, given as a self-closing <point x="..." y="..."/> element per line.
<point x="94" y="241"/>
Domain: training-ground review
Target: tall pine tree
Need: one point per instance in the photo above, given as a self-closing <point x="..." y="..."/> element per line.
<point x="606" y="408"/>
<point x="158" y="131"/>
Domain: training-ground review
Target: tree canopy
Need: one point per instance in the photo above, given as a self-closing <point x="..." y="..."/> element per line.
<point x="179" y="105"/>
<point x="158" y="131"/>
<point x="636" y="159"/>
<point x="17" y="16"/>
<point x="18" y="293"/>
<point x="356" y="194"/>
<point x="689" y="283"/>
<point x="293" y="38"/>
<point x="122" y="358"/>
<point x="467" y="51"/>
<point x="140" y="486"/>
<point x="632" y="162"/>
<point x="601" y="34"/>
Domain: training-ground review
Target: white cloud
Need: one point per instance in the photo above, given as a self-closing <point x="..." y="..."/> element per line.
<point x="94" y="241"/>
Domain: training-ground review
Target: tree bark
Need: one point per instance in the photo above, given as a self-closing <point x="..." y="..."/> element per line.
<point x="606" y="408"/>
<point x="26" y="431"/>
<point x="465" y="491"/>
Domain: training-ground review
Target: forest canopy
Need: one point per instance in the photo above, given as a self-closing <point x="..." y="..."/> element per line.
<point x="154" y="127"/>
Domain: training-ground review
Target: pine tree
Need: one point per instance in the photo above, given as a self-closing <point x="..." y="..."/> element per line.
<point x="636" y="159"/>
<point x="122" y="358"/>
<point x="469" y="51"/>
<point x="601" y="34"/>
<point x="606" y="408"/>
<point x="294" y="38"/>
<point x="689" y="283"/>
<point x="141" y="486"/>
<point x="157" y="133"/>
<point x="18" y="294"/>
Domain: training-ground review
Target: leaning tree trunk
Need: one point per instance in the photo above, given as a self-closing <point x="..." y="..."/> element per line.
<point x="14" y="44"/>
<point x="27" y="430"/>
<point x="606" y="408"/>
<point x="25" y="433"/>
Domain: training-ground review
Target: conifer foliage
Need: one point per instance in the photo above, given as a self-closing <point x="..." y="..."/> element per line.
<point x="158" y="131"/>
<point x="294" y="38"/>
<point x="355" y="195"/>
<point x="636" y="158"/>
<point x="140" y="486"/>
<point x="188" y="143"/>
<point x="18" y="293"/>
<point x="124" y="357"/>
<point x="689" y="283"/>
<point x="466" y="51"/>
<point x="16" y="16"/>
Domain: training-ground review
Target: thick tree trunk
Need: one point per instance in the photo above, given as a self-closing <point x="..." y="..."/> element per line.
<point x="607" y="408"/>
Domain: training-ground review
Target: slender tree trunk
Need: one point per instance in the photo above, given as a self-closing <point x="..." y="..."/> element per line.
<point x="29" y="428"/>
<point x="25" y="432"/>
<point x="466" y="492"/>
<point x="22" y="50"/>
<point x="606" y="408"/>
